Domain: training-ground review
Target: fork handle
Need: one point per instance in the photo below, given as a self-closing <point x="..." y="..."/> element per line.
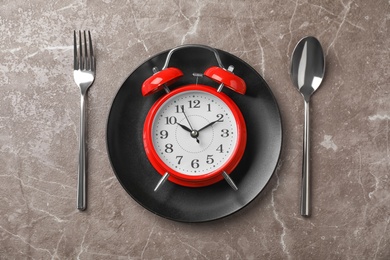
<point x="81" y="182"/>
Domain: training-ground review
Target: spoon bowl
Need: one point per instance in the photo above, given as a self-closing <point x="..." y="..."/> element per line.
<point x="307" y="72"/>
<point x="307" y="66"/>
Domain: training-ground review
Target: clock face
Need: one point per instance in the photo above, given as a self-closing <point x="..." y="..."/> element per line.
<point x="194" y="131"/>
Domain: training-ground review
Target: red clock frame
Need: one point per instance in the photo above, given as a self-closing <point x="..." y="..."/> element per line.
<point x="204" y="179"/>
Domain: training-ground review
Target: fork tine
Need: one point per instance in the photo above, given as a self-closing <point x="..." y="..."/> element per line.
<point x="75" y="61"/>
<point x="86" y="56"/>
<point x="81" y="58"/>
<point x="92" y="58"/>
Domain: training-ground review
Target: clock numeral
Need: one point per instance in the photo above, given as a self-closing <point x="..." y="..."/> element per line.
<point x="180" y="157"/>
<point x="170" y="120"/>
<point x="225" y="132"/>
<point x="220" y="117"/>
<point x="208" y="107"/>
<point x="220" y="149"/>
<point x="163" y="134"/>
<point x="209" y="159"/>
<point x="169" y="148"/>
<point x="179" y="108"/>
<point x="194" y="103"/>
<point x="195" y="163"/>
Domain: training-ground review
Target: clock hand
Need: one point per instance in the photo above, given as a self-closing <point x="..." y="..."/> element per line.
<point x="194" y="133"/>
<point x="184" y="127"/>
<point x="188" y="121"/>
<point x="209" y="124"/>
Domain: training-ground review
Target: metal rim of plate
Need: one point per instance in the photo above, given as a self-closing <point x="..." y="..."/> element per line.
<point x="178" y="203"/>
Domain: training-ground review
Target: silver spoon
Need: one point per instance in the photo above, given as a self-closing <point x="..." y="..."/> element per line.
<point x="307" y="72"/>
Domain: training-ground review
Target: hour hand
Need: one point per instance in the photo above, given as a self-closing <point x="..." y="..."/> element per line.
<point x="185" y="127"/>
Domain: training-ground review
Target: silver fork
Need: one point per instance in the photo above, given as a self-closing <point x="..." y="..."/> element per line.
<point x="84" y="76"/>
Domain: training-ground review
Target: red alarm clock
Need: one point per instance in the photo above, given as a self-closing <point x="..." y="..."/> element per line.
<point x="195" y="135"/>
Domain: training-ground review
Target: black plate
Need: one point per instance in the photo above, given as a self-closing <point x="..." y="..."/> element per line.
<point x="137" y="176"/>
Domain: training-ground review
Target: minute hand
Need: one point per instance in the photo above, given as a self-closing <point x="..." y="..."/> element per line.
<point x="209" y="124"/>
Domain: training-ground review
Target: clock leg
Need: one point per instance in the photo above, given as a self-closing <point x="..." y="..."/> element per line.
<point x="229" y="180"/>
<point x="161" y="181"/>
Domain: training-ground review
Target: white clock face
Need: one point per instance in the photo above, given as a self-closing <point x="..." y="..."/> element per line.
<point x="194" y="132"/>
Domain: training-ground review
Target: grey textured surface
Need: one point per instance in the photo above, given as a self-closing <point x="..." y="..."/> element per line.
<point x="39" y="120"/>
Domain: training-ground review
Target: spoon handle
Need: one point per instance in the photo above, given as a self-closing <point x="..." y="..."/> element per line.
<point x="305" y="192"/>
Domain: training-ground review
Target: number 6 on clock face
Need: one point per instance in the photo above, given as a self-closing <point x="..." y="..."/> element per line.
<point x="195" y="134"/>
